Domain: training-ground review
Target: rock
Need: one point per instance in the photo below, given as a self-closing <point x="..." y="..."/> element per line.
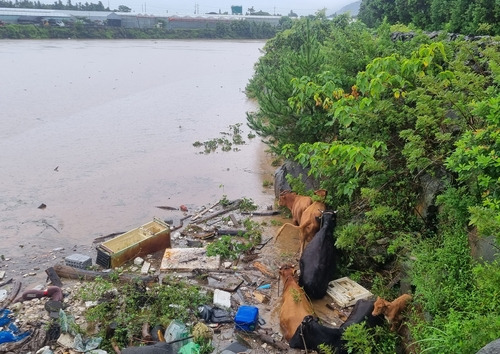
<point x="294" y="169"/>
<point x="138" y="261"/>
<point x="490" y="348"/>
<point x="66" y="340"/>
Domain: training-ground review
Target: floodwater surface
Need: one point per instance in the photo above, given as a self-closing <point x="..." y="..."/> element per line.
<point x="102" y="132"/>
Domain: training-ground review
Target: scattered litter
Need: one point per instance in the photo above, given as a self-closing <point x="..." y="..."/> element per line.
<point x="262" y="298"/>
<point x="235" y="348"/>
<point x="187" y="259"/>
<point x="78" y="261"/>
<point x="346" y="292"/>
<point x="145" y="268"/>
<point x="138" y="242"/>
<point x="222" y="298"/>
<point x="246" y="318"/>
<point x="177" y="335"/>
<point x="214" y="314"/>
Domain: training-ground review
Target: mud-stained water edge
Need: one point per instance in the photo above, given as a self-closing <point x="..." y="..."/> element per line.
<point x="102" y="133"/>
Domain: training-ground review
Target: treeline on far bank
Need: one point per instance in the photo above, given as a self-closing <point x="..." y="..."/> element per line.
<point x="229" y="30"/>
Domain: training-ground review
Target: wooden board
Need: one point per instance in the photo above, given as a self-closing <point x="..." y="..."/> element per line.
<point x="224" y="282"/>
<point x="188" y="259"/>
<point x="345" y="292"/>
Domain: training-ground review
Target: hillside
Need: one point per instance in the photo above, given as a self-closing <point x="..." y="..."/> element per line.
<point x="352" y="9"/>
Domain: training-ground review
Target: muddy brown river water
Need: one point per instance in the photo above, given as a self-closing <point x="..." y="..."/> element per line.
<point x="102" y="132"/>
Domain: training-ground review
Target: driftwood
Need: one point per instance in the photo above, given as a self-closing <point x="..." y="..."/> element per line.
<point x="81" y="274"/>
<point x="231" y="232"/>
<point x="234" y="220"/>
<point x="264" y="270"/>
<point x="146" y="335"/>
<point x="262" y="244"/>
<point x="173" y="228"/>
<point x="6" y="282"/>
<point x="54" y="278"/>
<point x="13" y="293"/>
<point x="261" y="213"/>
<point x="270" y="340"/>
<point x="204" y="211"/>
<point x="235" y="205"/>
<point x="166" y="207"/>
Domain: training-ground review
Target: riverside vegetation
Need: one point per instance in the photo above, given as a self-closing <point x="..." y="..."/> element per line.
<point x="405" y="137"/>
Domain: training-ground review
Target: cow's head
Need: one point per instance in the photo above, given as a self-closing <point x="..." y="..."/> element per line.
<point x="379" y="306"/>
<point x="287" y="270"/>
<point x="284" y="195"/>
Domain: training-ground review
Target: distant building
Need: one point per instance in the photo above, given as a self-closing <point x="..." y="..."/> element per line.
<point x="126" y="19"/>
<point x="236" y="10"/>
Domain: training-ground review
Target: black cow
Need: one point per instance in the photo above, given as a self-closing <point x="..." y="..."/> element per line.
<point x="362" y="311"/>
<point x="318" y="261"/>
<point x="310" y="334"/>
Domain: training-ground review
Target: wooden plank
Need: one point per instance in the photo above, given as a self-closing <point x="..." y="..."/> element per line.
<point x="227" y="283"/>
<point x="81" y="274"/>
<point x="188" y="259"/>
<point x="54" y="278"/>
<point x="264" y="270"/>
<point x="234" y="220"/>
<point x="235" y="205"/>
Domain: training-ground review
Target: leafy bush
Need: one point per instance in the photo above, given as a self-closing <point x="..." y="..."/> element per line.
<point x="126" y="307"/>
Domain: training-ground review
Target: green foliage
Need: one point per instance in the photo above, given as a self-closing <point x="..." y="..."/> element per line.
<point x="127" y="306"/>
<point x="457" y="293"/>
<point x="231" y="247"/>
<point x="247" y="204"/>
<point x="84" y="30"/>
<point x="369" y="340"/>
<point x="476" y="162"/>
<point x="226" y="143"/>
<point x="459" y="16"/>
<point x="227" y="247"/>
<point x="374" y="132"/>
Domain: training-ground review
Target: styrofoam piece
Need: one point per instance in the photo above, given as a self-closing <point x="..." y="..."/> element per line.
<point x="222" y="298"/>
<point x="346" y="292"/>
<point x="145" y="268"/>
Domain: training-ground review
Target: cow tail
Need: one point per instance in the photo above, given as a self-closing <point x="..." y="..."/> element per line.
<point x="302" y="335"/>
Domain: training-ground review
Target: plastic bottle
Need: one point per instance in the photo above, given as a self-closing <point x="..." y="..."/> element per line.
<point x="176" y="330"/>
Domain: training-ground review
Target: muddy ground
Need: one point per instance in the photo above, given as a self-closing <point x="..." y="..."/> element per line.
<point x="270" y="254"/>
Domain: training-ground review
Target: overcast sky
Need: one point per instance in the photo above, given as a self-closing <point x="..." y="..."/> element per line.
<point x="282" y="7"/>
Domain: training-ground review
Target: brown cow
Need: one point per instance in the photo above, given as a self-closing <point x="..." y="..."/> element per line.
<point x="309" y="224"/>
<point x="295" y="305"/>
<point x="298" y="203"/>
<point x="391" y="310"/>
<point x="295" y="203"/>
